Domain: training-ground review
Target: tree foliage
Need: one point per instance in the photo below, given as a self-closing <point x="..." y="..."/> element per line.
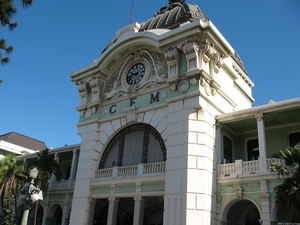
<point x="12" y="175"/>
<point x="7" y="12"/>
<point x="288" y="192"/>
<point x="46" y="165"/>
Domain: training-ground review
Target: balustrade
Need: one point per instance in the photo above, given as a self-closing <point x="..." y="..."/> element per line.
<point x="131" y="171"/>
<point x="245" y="168"/>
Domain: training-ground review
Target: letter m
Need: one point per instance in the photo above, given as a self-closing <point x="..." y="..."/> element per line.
<point x="154" y="98"/>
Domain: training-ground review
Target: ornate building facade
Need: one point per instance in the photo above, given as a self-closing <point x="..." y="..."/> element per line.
<point x="168" y="134"/>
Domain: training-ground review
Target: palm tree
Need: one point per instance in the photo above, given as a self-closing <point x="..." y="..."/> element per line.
<point x="288" y="192"/>
<point x="12" y="175"/>
<point x="46" y="165"/>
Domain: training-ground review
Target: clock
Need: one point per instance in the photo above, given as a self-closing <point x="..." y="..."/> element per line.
<point x="135" y="74"/>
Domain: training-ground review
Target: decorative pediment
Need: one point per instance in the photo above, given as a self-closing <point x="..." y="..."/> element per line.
<point x="140" y="70"/>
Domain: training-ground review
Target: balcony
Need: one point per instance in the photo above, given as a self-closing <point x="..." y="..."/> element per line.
<point x="131" y="171"/>
<point x="240" y="168"/>
<point x="63" y="185"/>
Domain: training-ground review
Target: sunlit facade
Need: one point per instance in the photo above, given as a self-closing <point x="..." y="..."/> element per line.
<point x="168" y="133"/>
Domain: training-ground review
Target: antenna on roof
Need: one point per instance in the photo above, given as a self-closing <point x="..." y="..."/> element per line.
<point x="132" y="4"/>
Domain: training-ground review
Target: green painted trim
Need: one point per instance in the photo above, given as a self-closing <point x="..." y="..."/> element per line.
<point x="127" y="188"/>
<point x="152" y="187"/>
<point x="101" y="190"/>
<point x="110" y="64"/>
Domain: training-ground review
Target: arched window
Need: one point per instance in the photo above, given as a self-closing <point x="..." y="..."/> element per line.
<point x="133" y="145"/>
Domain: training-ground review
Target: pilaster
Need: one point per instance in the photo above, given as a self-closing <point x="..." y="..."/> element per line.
<point x="139" y="204"/>
<point x="190" y="154"/>
<point x="265" y="203"/>
<point x="112" y="211"/>
<point x="89" y="153"/>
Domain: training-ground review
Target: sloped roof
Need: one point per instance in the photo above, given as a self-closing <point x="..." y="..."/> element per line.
<point x="24" y="141"/>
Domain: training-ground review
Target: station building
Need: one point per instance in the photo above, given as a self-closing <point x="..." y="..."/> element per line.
<point x="168" y="132"/>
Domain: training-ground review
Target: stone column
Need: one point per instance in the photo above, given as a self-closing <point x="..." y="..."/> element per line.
<point x="112" y="211"/>
<point x="265" y="203"/>
<point x="219" y="150"/>
<point x="56" y="158"/>
<point x="261" y="142"/>
<point x="64" y="216"/>
<point x="74" y="164"/>
<point x="45" y="213"/>
<point x="92" y="211"/>
<point x="139" y="204"/>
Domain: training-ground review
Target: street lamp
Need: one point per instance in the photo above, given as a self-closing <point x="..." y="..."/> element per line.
<point x="30" y="194"/>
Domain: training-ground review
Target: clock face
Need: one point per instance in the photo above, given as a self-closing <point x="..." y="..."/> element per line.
<point x="135" y="74"/>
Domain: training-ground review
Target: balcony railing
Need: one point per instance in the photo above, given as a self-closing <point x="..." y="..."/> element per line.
<point x="62" y="185"/>
<point x="131" y="171"/>
<point x="239" y="167"/>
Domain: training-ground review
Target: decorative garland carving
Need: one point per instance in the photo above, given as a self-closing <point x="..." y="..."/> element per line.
<point x="209" y="84"/>
<point x="172" y="55"/>
<point x="155" y="73"/>
<point x="84" y="87"/>
<point x="83" y="90"/>
<point x="191" y="48"/>
<point x="210" y="53"/>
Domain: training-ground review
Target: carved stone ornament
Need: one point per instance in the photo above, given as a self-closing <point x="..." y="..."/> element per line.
<point x="95" y="84"/>
<point x="83" y="90"/>
<point x="131" y="114"/>
<point x="259" y="117"/>
<point x="172" y="55"/>
<point x="183" y="86"/>
<point x="239" y="192"/>
<point x="88" y="113"/>
<point x="210" y="85"/>
<point x="191" y="46"/>
<point x="154" y="68"/>
<point x="83" y="87"/>
<point x="173" y="86"/>
<point x="207" y="48"/>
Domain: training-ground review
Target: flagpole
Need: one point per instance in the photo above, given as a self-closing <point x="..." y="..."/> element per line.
<point x="132" y="4"/>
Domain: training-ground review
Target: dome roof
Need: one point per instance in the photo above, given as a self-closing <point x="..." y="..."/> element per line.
<point x="170" y="17"/>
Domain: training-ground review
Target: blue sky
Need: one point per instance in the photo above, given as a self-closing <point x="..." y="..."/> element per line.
<point x="58" y="37"/>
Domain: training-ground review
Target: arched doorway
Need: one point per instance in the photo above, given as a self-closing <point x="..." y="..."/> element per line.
<point x="243" y="212"/>
<point x="55" y="215"/>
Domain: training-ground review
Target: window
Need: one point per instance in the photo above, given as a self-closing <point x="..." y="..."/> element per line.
<point x="252" y="149"/>
<point x="227" y="150"/>
<point x="135" y="144"/>
<point x="294" y="139"/>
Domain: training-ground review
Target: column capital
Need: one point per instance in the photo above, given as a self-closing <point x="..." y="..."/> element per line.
<point x="218" y="125"/>
<point x="259" y="116"/>
<point x="113" y="199"/>
<point x="138" y="198"/>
